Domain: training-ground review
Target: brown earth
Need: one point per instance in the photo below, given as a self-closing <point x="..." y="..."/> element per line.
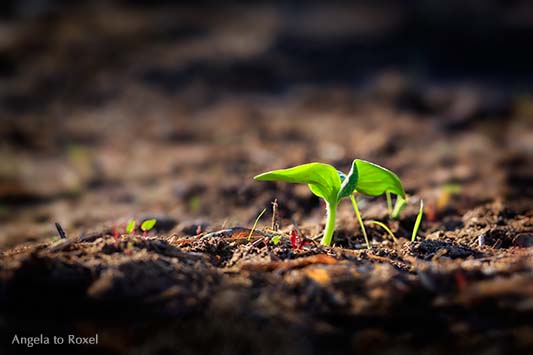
<point x="170" y="113"/>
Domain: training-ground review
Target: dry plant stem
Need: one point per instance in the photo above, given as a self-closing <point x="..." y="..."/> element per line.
<point x="356" y="209"/>
<point x="275" y="217"/>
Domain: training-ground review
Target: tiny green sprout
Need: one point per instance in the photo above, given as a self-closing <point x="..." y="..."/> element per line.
<point x="275" y="239"/>
<point x="131" y="226"/>
<point x="148" y="225"/>
<point x="418" y="220"/>
<point x="255" y="223"/>
<point x="332" y="185"/>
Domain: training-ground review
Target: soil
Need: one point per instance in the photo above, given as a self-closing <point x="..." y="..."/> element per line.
<point x="168" y="114"/>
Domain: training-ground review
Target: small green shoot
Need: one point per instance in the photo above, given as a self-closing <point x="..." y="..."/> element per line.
<point x="331" y="185"/>
<point x="275" y="239"/>
<point x="384" y="226"/>
<point x="131" y="226"/>
<point x="359" y="219"/>
<point x="418" y="220"/>
<point x="147" y="226"/>
<point x="255" y="223"/>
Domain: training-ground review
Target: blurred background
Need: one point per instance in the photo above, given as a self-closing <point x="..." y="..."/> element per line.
<point x="117" y="109"/>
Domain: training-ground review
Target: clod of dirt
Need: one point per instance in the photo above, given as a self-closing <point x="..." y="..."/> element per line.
<point x="523" y="240"/>
<point x="427" y="249"/>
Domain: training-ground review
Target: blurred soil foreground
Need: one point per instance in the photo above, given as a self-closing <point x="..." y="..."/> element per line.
<point x="119" y="110"/>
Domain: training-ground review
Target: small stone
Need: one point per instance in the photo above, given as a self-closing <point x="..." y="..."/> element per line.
<point x="482" y="240"/>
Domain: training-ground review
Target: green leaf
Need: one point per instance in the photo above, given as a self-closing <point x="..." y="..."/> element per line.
<point x="131" y="226"/>
<point x="349" y="182"/>
<point x="275" y="239"/>
<point x="322" y="179"/>
<point x="375" y="180"/>
<point x="148" y="224"/>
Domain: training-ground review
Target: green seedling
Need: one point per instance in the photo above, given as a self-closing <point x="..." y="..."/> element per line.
<point x="131" y="226"/>
<point x="418" y="220"/>
<point x="275" y="239"/>
<point x="255" y="223"/>
<point x="332" y="185"/>
<point x="147" y="226"/>
<point x="385" y="227"/>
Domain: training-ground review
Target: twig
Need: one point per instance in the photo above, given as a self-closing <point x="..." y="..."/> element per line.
<point x="275" y="215"/>
<point x="61" y="232"/>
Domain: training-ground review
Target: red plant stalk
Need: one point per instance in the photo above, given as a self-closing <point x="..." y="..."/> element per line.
<point x="115" y="235"/>
<point x="298" y="242"/>
<point x="294" y="237"/>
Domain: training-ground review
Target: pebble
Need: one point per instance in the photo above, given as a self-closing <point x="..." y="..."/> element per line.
<point x="482" y="239"/>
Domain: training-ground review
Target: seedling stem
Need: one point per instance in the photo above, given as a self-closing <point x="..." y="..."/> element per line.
<point x="356" y="210"/>
<point x="389" y="203"/>
<point x="418" y="220"/>
<point x="384" y="226"/>
<point x="330" y="224"/>
<point x="255" y="223"/>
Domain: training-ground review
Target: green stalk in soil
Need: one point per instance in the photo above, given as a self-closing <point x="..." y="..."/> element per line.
<point x="330" y="224"/>
<point x="356" y="210"/>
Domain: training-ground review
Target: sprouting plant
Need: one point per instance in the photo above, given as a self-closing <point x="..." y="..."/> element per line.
<point x="331" y="185"/>
<point x="130" y="227"/>
<point x="275" y="239"/>
<point x="255" y="223"/>
<point x="148" y="225"/>
<point x="418" y="220"/>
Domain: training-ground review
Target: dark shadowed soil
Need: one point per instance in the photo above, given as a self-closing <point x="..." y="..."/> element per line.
<point x="169" y="112"/>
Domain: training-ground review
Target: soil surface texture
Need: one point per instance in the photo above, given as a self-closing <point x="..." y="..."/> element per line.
<point x="134" y="111"/>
